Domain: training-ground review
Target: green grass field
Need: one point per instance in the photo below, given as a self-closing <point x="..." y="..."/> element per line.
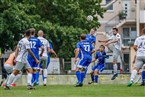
<point x="100" y="90"/>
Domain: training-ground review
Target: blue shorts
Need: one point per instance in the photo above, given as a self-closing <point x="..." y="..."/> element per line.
<point x="33" y="64"/>
<point x="84" y="63"/>
<point x="99" y="67"/>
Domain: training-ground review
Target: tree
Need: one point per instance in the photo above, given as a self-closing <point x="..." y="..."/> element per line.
<point x="62" y="21"/>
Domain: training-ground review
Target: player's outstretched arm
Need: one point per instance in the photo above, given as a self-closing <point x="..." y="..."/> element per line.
<point x="110" y="42"/>
<point x="53" y="52"/>
<point x="104" y="40"/>
<point x="33" y="56"/>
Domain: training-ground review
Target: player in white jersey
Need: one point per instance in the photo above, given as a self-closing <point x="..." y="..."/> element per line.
<point x="139" y="47"/>
<point x="22" y="49"/>
<point x="117" y="43"/>
<point x="44" y="57"/>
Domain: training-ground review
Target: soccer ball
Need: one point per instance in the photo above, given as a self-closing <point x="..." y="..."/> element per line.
<point x="89" y="18"/>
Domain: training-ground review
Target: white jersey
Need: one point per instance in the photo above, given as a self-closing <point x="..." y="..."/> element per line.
<point x="23" y="45"/>
<point x="46" y="45"/>
<point x="118" y="44"/>
<point x="140" y="42"/>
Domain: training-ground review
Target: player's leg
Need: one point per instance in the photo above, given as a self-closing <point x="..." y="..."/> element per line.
<point x="78" y="74"/>
<point x="18" y="67"/>
<point x="29" y="75"/>
<point x="143" y="76"/>
<point x="18" y="76"/>
<point x="116" y="54"/>
<point x="98" y="69"/>
<point x="138" y="66"/>
<point x="8" y="69"/>
<point x="92" y="77"/>
<point x="44" y="68"/>
<point x="96" y="75"/>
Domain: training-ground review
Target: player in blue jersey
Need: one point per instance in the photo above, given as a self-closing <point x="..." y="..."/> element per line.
<point x="35" y="44"/>
<point x="100" y="55"/>
<point x="86" y="49"/>
<point x="90" y="37"/>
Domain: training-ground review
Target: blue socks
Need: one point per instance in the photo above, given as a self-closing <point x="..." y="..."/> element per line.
<point x="143" y="76"/>
<point x="37" y="77"/>
<point x="78" y="74"/>
<point x="83" y="74"/>
<point x="96" y="78"/>
<point x="92" y="77"/>
<point x="33" y="77"/>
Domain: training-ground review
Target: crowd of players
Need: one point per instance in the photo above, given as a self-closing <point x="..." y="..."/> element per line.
<point x="33" y="54"/>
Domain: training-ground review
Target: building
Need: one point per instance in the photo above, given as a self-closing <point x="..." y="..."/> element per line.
<point x="129" y="17"/>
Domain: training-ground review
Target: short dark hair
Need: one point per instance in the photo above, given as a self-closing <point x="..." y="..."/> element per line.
<point x="116" y="29"/>
<point x="102" y="46"/>
<point x="83" y="36"/>
<point x="28" y="32"/>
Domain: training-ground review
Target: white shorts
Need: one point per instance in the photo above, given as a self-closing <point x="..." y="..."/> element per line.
<point x="19" y="66"/>
<point x="8" y="68"/>
<point x="116" y="54"/>
<point x="43" y="62"/>
<point x="140" y="62"/>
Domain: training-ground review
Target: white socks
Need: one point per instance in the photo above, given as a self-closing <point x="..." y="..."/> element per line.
<point x="29" y="78"/>
<point x="45" y="75"/>
<point x="115" y="68"/>
<point x="12" y="76"/>
<point x="133" y="75"/>
<point x="16" y="78"/>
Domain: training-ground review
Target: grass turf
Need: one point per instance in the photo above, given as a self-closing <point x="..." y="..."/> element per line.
<point x="100" y="90"/>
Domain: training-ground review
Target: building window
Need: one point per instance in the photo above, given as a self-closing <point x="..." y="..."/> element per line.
<point x="129" y="34"/>
<point x="111" y="6"/>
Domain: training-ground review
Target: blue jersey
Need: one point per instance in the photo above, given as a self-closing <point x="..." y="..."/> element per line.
<point x="85" y="48"/>
<point x="101" y="57"/>
<point x="91" y="38"/>
<point x="35" y="44"/>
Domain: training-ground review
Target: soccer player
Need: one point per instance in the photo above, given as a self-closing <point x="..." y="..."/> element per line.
<point x="117" y="43"/>
<point x="90" y="37"/>
<point x="86" y="49"/>
<point x="21" y="52"/>
<point x="44" y="57"/>
<point x="48" y="61"/>
<point x="100" y="55"/>
<point x="35" y="44"/>
<point x="8" y="66"/>
<point x="139" y="47"/>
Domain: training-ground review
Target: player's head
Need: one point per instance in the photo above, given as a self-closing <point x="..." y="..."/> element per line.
<point x="83" y="37"/>
<point x="40" y="33"/>
<point x="28" y="33"/>
<point x="115" y="31"/>
<point x="102" y="48"/>
<point x="32" y="31"/>
<point x="143" y="31"/>
<point x="92" y="31"/>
